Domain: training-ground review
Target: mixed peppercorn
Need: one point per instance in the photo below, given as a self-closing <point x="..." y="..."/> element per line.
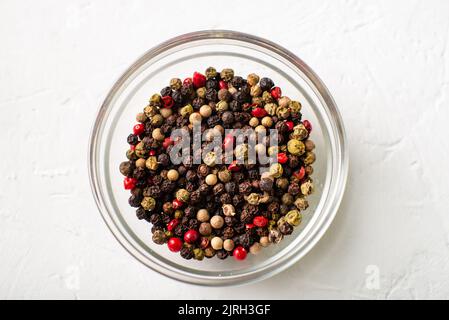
<point x="208" y="209"/>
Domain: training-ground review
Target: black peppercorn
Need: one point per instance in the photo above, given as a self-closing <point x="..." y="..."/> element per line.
<point x="190" y="212"/>
<point x="126" y="168"/>
<point x="245" y="187"/>
<point x="191" y="176"/>
<point x="227" y="117"/>
<point x="266" y="184"/>
<point x="163" y="159"/>
<point x="226" y="198"/>
<point x="285" y="228"/>
<point x="134" y="201"/>
<point x="177" y="97"/>
<point x="212" y="94"/>
<point x="222" y="254"/>
<point x="294" y="189"/>
<point x="218" y="189"/>
<point x="141" y="213"/>
<point x="187" y="253"/>
<point x="132" y="139"/>
<point x="266" y="84"/>
<point x="166" y="91"/>
<point x="155" y="218"/>
<point x="230" y="221"/>
<point x="193" y="224"/>
<point x="237" y="200"/>
<point x="231" y="187"/>
<point x="212" y="83"/>
<point x="228" y="233"/>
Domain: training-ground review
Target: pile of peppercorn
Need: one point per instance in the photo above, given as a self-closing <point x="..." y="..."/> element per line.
<point x="207" y="209"/>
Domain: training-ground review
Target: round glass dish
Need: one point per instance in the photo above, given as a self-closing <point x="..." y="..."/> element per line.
<point x="180" y="57"/>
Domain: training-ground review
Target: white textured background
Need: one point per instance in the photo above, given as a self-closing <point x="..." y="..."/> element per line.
<point x="386" y="64"/>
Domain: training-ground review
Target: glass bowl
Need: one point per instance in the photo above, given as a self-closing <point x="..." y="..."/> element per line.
<point x="180" y="57"/>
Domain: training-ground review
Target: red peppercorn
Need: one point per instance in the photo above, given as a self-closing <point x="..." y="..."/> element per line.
<point x="239" y="253"/>
<point x="259" y="112"/>
<point x="129" y="183"/>
<point x="177" y="204"/>
<point x="199" y="80"/>
<point x="167" y="101"/>
<point x="191" y="236"/>
<point x="308" y="125"/>
<point x="132" y="147"/>
<point x="222" y="84"/>
<point x="172" y="224"/>
<point x="152" y="152"/>
<point x="234" y="167"/>
<point x="187" y="81"/>
<point x="249" y="226"/>
<point x="167" y="142"/>
<point x="174" y="244"/>
<point x="228" y="141"/>
<point x="276" y="93"/>
<point x="282" y="158"/>
<point x="300" y="173"/>
<point x="260" y="221"/>
<point x="290" y="125"/>
<point x="138" y="129"/>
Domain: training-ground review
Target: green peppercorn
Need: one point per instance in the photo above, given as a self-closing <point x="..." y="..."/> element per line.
<point x="267" y="98"/>
<point x="148" y="203"/>
<point x="293" y="217"/>
<point x="155" y="100"/>
<point x="150" y="111"/>
<point x="178" y="214"/>
<point x="309" y="158"/>
<point x="227" y="74"/>
<point x="175" y="83"/>
<point x="299" y="132"/>
<point x="253" y="198"/>
<point x="276" y="170"/>
<point x="157" y="120"/>
<point x="140" y="150"/>
<point x="301" y="203"/>
<point x="296" y="147"/>
<point x="211" y="72"/>
<point x="307" y="188"/>
<point x="201" y="92"/>
<point x="159" y="237"/>
<point x="271" y="108"/>
<point x="275" y="216"/>
<point x="186" y="110"/>
<point x="198" y="254"/>
<point x="151" y="163"/>
<point x="295" y="107"/>
<point x="255" y="91"/>
<point x="168" y="234"/>
<point x="221" y="106"/>
<point x="183" y="195"/>
<point x="283" y="112"/>
<point x="252" y="79"/>
<point x="287" y="199"/>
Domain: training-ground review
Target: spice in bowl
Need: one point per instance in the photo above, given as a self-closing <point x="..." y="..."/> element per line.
<point x="220" y="165"/>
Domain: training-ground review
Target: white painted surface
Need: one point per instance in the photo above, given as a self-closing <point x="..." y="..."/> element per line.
<point x="386" y="63"/>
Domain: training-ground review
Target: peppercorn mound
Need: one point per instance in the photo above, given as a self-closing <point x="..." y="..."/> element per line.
<point x="208" y="209"/>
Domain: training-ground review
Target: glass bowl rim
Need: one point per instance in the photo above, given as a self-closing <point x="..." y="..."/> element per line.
<point x="312" y="79"/>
